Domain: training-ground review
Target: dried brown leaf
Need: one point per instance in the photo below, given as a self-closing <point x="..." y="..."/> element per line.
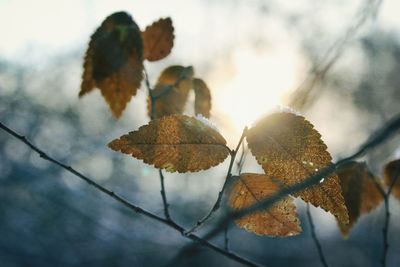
<point x="359" y="192"/>
<point x="158" y="39"/>
<point x="289" y="148"/>
<point x="175" y="143"/>
<point x="279" y="220"/>
<point x="202" y="101"/>
<point x="88" y="83"/>
<point x="171" y="91"/>
<point x="114" y="61"/>
<point x="392" y="172"/>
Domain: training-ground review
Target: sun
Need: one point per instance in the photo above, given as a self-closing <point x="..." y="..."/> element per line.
<point x="252" y="83"/>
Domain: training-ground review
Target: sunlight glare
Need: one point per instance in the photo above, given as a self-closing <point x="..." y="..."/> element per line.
<point x="253" y="83"/>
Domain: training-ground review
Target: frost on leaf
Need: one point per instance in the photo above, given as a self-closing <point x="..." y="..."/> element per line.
<point x="288" y="148"/>
<point x="114" y="61"/>
<point x="158" y="39"/>
<point x="392" y="172"/>
<point x="359" y="192"/>
<point x="171" y="92"/>
<point x="202" y="101"/>
<point x="174" y="143"/>
<point x="279" y="220"/>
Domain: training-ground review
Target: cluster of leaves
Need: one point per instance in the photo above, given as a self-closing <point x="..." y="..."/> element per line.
<point x="114" y="64"/>
<point x="285" y="144"/>
<point x="363" y="191"/>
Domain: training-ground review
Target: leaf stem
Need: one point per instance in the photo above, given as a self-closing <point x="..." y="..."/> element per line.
<point x="129" y="205"/>
<point x="226" y="239"/>
<point x="150" y="93"/>
<point x="220" y="194"/>
<point x="242" y="158"/>
<point x="385" y="230"/>
<point x="315" y="238"/>
<point x="152" y="116"/>
<point x="164" y="196"/>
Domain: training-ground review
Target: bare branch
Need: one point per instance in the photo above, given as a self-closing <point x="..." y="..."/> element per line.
<point x="305" y="94"/>
<point x="315" y="238"/>
<point x="130" y="205"/>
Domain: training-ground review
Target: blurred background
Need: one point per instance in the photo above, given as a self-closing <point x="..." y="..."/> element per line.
<point x="337" y="62"/>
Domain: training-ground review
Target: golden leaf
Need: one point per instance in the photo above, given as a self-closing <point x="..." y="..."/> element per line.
<point x="114" y="61"/>
<point x="202" y="101"/>
<point x="158" y="39"/>
<point x="171" y="91"/>
<point x="175" y="143"/>
<point x="392" y="171"/>
<point x="359" y="192"/>
<point x="279" y="220"/>
<point x="289" y="148"/>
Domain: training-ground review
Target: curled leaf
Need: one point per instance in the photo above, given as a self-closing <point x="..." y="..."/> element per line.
<point x="279" y="220"/>
<point x="202" y="101"/>
<point x="175" y="143"/>
<point x="359" y="192"/>
<point x="158" y="39"/>
<point x="288" y="148"/>
<point x="114" y="61"/>
<point x="392" y="172"/>
<point x="171" y="91"/>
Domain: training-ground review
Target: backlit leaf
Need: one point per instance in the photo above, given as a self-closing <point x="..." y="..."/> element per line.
<point x="114" y="61"/>
<point x="289" y="149"/>
<point x="359" y="192"/>
<point x="279" y="220"/>
<point x="175" y="143"/>
<point x="171" y="91"/>
<point x="392" y="171"/>
<point x="202" y="101"/>
<point x="158" y="39"/>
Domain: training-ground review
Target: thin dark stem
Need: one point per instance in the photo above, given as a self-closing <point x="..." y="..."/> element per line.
<point x="152" y="116"/>
<point x="305" y="93"/>
<point x="385" y="230"/>
<point x="315" y="238"/>
<point x="220" y="194"/>
<point x="150" y="93"/>
<point x="164" y="196"/>
<point x="130" y="205"/>
<point x="226" y="239"/>
<point x="242" y="159"/>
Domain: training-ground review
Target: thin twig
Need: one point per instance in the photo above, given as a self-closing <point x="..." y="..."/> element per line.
<point x="152" y="116"/>
<point x="220" y="194"/>
<point x="130" y="205"/>
<point x="385" y="230"/>
<point x="377" y="138"/>
<point x="303" y="94"/>
<point x="226" y="239"/>
<point x="149" y="92"/>
<point x="164" y="196"/>
<point x="315" y="238"/>
<point x="242" y="158"/>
